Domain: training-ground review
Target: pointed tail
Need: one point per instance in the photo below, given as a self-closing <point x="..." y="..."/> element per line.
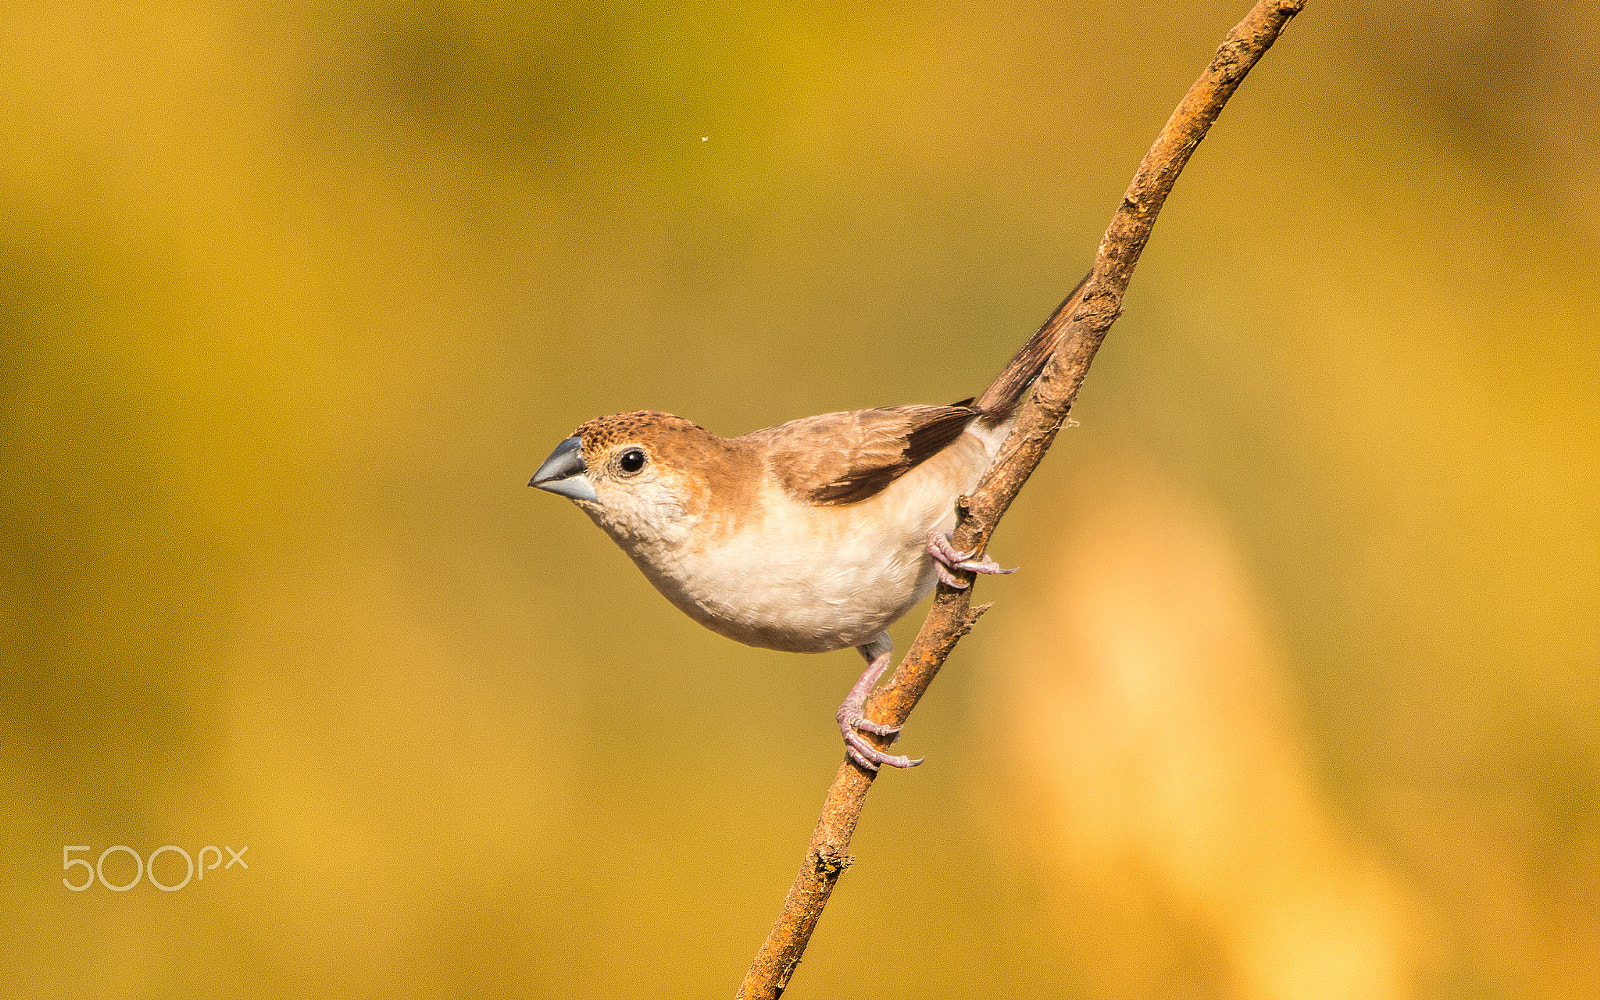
<point x="999" y="401"/>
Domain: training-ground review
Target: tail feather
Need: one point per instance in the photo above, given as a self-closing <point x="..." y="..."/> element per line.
<point x="999" y="401"/>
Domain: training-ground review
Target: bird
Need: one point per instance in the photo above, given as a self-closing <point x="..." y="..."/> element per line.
<point x="810" y="536"/>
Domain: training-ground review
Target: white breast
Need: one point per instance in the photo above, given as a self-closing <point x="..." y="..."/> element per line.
<point x="811" y="579"/>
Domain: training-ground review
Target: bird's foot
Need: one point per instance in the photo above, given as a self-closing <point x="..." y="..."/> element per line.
<point x="853" y="721"/>
<point x="947" y="557"/>
<point x="860" y="750"/>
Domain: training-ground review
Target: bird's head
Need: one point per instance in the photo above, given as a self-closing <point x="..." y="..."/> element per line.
<point x="636" y="474"/>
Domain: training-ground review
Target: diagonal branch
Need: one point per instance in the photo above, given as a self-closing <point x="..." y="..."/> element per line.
<point x="1086" y="319"/>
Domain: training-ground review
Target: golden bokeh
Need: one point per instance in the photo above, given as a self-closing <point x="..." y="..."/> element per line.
<point x="1296" y="695"/>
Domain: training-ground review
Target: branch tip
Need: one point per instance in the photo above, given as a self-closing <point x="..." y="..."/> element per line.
<point x="1038" y="420"/>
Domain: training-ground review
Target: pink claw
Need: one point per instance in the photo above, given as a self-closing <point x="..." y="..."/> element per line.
<point x="946" y="558"/>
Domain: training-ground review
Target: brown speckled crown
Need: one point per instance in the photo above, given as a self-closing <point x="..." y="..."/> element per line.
<point x="603" y="432"/>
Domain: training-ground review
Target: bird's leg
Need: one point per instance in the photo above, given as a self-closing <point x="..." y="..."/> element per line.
<point x="946" y="558"/>
<point x="851" y="717"/>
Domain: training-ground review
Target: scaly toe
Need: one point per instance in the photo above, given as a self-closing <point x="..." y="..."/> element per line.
<point x="861" y="761"/>
<point x="942" y="551"/>
<point x="863" y="752"/>
<point x="876" y="729"/>
<point x="984" y="565"/>
<point x="947" y="557"/>
<point x="851" y="718"/>
<point x="948" y="578"/>
<point x="871" y="758"/>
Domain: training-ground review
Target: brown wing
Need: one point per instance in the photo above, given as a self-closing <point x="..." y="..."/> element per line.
<point x="841" y="458"/>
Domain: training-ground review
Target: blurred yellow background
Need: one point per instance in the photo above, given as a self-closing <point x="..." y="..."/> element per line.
<point x="1296" y="695"/>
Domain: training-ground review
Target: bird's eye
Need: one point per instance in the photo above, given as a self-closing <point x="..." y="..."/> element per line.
<point x="631" y="461"/>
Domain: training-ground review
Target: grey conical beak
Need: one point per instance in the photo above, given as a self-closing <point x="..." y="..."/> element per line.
<point x="563" y="472"/>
